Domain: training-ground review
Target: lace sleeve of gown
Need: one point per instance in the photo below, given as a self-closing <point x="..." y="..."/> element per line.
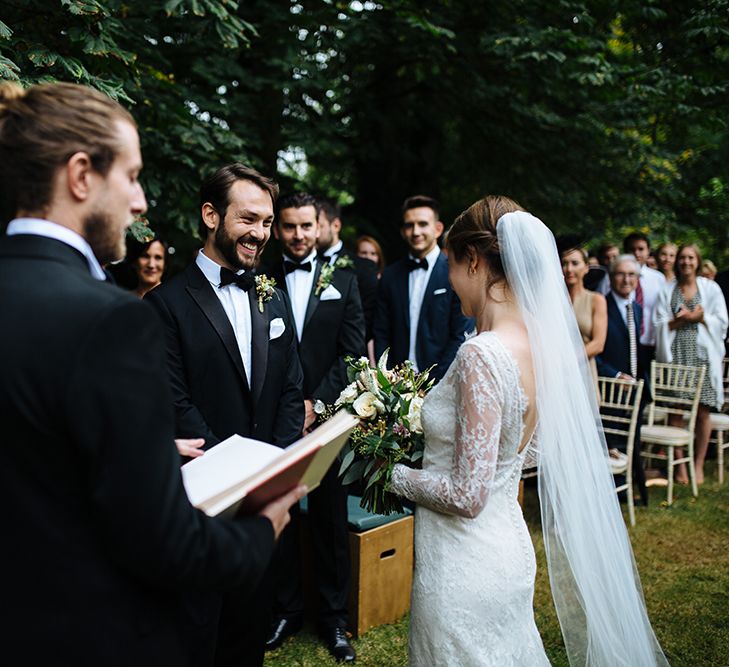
<point x="463" y="489"/>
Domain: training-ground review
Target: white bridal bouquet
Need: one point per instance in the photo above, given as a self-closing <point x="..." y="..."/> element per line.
<point x="388" y="404"/>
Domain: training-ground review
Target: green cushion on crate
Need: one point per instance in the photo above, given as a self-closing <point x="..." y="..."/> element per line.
<point x="360" y="519"/>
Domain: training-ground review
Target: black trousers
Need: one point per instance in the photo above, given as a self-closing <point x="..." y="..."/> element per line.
<point x="229" y="629"/>
<point x="327" y="521"/>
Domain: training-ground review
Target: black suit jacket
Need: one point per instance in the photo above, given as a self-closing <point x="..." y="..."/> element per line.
<point x="333" y="330"/>
<point x="615" y="357"/>
<point x="100" y="538"/>
<point x="213" y="397"/>
<point x="441" y="327"/>
<point x="366" y="272"/>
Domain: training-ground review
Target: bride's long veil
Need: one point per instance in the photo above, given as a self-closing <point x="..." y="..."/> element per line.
<point x="594" y="581"/>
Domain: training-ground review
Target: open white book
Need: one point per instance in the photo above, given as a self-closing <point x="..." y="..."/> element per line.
<point x="242" y="474"/>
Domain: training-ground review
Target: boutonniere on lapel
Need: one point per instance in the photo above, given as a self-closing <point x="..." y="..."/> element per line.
<point x="325" y="277"/>
<point x="264" y="290"/>
<point x="327" y="273"/>
<point x="344" y="263"/>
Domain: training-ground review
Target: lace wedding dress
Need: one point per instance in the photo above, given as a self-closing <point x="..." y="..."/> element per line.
<point x="474" y="561"/>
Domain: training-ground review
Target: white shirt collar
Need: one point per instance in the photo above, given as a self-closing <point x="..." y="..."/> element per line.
<point x="621" y="301"/>
<point x="210" y="268"/>
<point x="311" y="258"/>
<point x="52" y="230"/>
<point x="334" y="250"/>
<point x="431" y="257"/>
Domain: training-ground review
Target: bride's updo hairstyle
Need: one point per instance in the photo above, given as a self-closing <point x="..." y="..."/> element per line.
<point x="474" y="234"/>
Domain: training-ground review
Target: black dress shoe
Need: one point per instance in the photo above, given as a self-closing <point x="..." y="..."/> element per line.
<point x="281" y="629"/>
<point x="338" y="644"/>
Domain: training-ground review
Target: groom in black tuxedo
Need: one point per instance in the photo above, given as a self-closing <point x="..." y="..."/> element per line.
<point x="233" y="365"/>
<point x="329" y="327"/>
<point x="418" y="314"/>
<point x="100" y="538"/>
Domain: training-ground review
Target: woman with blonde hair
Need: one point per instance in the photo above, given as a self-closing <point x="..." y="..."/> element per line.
<point x="691" y="323"/>
<point x="666" y="260"/>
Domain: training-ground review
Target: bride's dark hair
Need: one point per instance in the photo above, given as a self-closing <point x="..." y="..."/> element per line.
<point x="474" y="233"/>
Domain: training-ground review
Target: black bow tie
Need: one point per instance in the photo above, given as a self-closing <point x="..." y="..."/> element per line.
<point x="244" y="280"/>
<point x="293" y="266"/>
<point x="414" y="264"/>
<point x="325" y="259"/>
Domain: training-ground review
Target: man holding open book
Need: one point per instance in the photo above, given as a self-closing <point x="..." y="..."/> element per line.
<point x="101" y="538"/>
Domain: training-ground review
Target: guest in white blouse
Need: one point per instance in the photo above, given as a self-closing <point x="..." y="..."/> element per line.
<point x="691" y="322"/>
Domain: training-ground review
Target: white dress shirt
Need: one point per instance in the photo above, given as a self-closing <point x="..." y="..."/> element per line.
<point x="52" y="230"/>
<point x="236" y="306"/>
<point x="332" y="253"/>
<point x="299" y="285"/>
<point x="417" y="283"/>
<point x="651" y="282"/>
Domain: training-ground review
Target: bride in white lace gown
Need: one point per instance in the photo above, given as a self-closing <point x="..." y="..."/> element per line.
<point x="474" y="573"/>
<point x="472" y="597"/>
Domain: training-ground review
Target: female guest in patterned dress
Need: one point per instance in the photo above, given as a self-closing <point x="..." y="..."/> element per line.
<point x="691" y="322"/>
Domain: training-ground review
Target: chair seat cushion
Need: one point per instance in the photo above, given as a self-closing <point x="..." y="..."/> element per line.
<point x="665" y="435"/>
<point x="719" y="421"/>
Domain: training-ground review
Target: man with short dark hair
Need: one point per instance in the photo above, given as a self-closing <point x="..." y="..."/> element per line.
<point x="418" y="315"/>
<point x="234" y="368"/>
<point x="330" y="327"/>
<point x="104" y="540"/>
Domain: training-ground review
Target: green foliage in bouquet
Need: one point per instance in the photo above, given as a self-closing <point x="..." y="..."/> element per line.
<point x="388" y="403"/>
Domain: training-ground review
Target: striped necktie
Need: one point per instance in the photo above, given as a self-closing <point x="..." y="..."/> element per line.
<point x="632" y="342"/>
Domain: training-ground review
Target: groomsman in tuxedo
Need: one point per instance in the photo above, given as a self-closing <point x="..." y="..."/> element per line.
<point x="329" y="327"/>
<point x="234" y="368"/>
<point x="418" y="315"/>
<point x="101" y="539"/>
<point x="331" y="250"/>
<point x="622" y="355"/>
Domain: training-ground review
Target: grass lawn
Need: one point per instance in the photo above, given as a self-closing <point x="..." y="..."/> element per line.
<point x="683" y="559"/>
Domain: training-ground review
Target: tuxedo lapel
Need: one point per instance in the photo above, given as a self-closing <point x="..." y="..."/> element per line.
<point x="202" y="293"/>
<point x="313" y="298"/>
<point x="259" y="347"/>
<point x="616" y="315"/>
<point x="401" y="289"/>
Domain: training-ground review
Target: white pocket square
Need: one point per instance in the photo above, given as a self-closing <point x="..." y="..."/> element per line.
<point x="330" y="293"/>
<point x="442" y="290"/>
<point x="276" y="328"/>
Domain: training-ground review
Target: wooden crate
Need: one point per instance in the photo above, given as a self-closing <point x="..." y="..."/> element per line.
<point x="382" y="574"/>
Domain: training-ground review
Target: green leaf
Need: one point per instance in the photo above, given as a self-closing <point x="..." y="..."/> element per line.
<point x="347" y="461"/>
<point x="8" y="69"/>
<point x="354" y="473"/>
<point x="41" y="57"/>
<point x="172" y="5"/>
<point x="5" y="32"/>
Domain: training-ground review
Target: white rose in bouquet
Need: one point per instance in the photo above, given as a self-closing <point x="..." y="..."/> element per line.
<point x="348" y="395"/>
<point x="416" y="406"/>
<point x="367" y="405"/>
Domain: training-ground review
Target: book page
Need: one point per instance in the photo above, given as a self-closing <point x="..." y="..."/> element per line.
<point x="224" y="466"/>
